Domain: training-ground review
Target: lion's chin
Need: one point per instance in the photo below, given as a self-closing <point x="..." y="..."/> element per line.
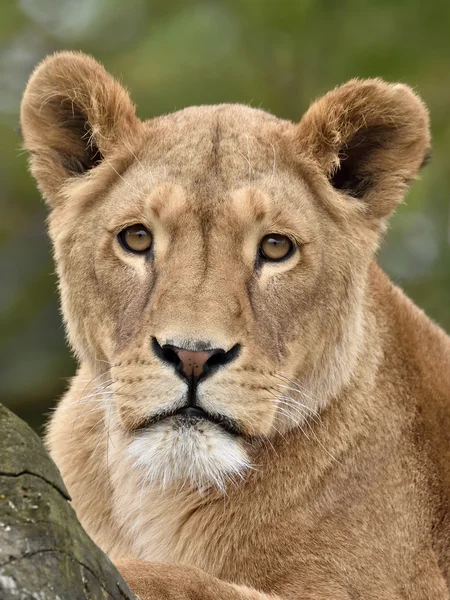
<point x="196" y="454"/>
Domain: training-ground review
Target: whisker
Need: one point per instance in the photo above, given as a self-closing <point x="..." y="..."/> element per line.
<point x="85" y="414"/>
<point x="274" y="163"/>
<point x="297" y="388"/>
<point x="127" y="183"/>
<point x="93" y="427"/>
<point x="306" y="422"/>
<point x="295" y="404"/>
<point x="103" y="390"/>
<point x="94" y="379"/>
<point x="290" y="416"/>
<point x="298" y="410"/>
<point x="292" y="380"/>
<point x="83" y="403"/>
<point x="139" y="162"/>
<point x="108" y="362"/>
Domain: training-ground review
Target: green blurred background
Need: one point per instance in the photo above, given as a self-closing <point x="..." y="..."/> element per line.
<point x="278" y="55"/>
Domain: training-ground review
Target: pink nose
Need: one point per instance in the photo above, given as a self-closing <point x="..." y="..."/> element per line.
<point x="193" y="362"/>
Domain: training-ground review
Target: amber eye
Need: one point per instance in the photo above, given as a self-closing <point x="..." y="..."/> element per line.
<point x="136" y="238"/>
<point x="275" y="247"/>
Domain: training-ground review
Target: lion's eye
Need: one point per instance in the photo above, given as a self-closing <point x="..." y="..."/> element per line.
<point x="136" y="238"/>
<point x="275" y="247"/>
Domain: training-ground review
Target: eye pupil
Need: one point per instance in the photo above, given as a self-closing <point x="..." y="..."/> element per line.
<point x="275" y="247"/>
<point x="136" y="239"/>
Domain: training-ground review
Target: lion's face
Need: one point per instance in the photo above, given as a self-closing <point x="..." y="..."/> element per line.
<point x="208" y="194"/>
<point x="212" y="265"/>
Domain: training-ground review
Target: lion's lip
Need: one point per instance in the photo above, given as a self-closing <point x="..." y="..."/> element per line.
<point x="194" y="413"/>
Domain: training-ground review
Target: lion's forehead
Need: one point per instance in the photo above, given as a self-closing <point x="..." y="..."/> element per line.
<point x="227" y="142"/>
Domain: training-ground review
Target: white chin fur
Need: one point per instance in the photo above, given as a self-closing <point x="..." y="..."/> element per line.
<point x="199" y="454"/>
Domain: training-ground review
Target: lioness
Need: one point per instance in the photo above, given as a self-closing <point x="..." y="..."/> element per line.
<point x="258" y="412"/>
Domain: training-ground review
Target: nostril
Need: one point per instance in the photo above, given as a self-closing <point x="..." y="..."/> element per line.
<point x="167" y="354"/>
<point x="220" y="358"/>
<point x="216" y="359"/>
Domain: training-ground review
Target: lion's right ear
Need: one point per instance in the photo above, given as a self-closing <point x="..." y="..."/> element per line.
<point x="73" y="115"/>
<point x="369" y="138"/>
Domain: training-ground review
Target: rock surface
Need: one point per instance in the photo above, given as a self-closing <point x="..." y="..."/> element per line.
<point x="44" y="552"/>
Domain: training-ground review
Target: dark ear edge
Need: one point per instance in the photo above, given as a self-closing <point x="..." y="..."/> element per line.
<point x="74" y="124"/>
<point x="369" y="138"/>
<point x="353" y="174"/>
<point x="73" y="114"/>
<point x="426" y="159"/>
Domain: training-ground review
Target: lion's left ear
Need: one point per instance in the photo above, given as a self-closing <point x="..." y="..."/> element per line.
<point x="73" y="115"/>
<point x="370" y="138"/>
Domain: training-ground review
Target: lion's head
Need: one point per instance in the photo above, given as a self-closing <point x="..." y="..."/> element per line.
<point x="213" y="262"/>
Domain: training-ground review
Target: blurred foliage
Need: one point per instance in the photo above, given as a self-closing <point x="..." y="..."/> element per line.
<point x="278" y="55"/>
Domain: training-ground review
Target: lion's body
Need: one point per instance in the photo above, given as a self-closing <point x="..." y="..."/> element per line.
<point x="337" y="484"/>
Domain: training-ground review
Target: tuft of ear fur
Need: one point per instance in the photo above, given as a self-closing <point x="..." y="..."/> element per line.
<point x="73" y="114"/>
<point x="369" y="138"/>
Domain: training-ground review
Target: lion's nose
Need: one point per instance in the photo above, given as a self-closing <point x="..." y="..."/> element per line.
<point x="194" y="363"/>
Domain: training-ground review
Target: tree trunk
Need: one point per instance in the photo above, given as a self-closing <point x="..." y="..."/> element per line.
<point x="44" y="552"/>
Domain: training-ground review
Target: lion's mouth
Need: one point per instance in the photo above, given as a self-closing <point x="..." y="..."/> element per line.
<point x="189" y="415"/>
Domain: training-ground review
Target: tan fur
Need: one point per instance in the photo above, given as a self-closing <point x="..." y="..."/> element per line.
<point x="338" y="487"/>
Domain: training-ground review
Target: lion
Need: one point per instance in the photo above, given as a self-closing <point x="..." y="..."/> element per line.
<point x="258" y="412"/>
